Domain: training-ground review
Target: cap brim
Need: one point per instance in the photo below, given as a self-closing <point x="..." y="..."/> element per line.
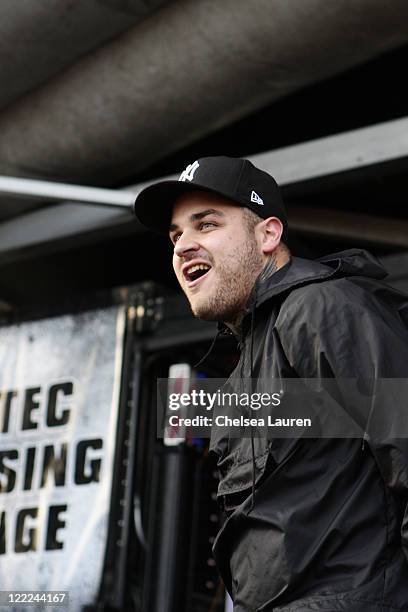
<point x="154" y="205"/>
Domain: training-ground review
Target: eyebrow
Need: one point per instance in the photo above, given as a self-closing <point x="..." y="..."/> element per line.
<point x="197" y="216"/>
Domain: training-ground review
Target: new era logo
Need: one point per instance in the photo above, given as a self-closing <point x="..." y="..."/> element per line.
<point x="188" y="173"/>
<point x="255" y="198"/>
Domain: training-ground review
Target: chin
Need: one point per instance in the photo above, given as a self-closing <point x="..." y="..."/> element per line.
<point x="202" y="311"/>
<point x="214" y="312"/>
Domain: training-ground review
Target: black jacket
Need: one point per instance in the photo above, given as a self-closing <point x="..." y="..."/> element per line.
<point x="327" y="527"/>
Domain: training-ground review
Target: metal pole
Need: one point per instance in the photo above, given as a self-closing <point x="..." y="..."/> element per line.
<point x="45" y="190"/>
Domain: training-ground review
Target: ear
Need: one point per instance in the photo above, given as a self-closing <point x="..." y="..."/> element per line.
<point x="270" y="232"/>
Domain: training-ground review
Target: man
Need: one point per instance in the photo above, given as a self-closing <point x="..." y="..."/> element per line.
<point x="312" y="524"/>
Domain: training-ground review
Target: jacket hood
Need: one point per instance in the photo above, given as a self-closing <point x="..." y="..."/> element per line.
<point x="299" y="272"/>
<point x="355" y="262"/>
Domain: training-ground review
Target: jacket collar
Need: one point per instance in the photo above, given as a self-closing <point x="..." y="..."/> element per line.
<point x="299" y="272"/>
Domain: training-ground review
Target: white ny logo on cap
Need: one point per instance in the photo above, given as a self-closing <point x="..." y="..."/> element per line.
<point x="188" y="173"/>
<point x="255" y="198"/>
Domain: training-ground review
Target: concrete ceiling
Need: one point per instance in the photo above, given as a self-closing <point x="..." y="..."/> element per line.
<point x="40" y="38"/>
<point x="90" y="102"/>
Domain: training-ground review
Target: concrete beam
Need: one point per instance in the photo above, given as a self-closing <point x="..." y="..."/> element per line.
<point x="334" y="155"/>
<point x="191" y="68"/>
<point x="363" y="228"/>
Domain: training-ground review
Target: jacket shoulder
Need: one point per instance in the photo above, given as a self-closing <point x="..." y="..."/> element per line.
<point x="334" y="291"/>
<point x="334" y="300"/>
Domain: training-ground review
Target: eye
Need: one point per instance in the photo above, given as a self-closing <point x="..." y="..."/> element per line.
<point x="207" y="223"/>
<point x="175" y="237"/>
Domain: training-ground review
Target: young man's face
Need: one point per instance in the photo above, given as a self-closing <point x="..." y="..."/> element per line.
<point x="216" y="257"/>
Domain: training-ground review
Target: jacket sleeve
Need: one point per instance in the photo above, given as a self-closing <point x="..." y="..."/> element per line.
<point x="338" y="330"/>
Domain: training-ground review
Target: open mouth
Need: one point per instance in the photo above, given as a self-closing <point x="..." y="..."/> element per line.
<point x="196" y="272"/>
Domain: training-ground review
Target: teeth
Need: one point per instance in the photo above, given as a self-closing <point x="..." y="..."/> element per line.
<point x="198" y="267"/>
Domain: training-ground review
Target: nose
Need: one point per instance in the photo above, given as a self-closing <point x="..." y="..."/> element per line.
<point x="185" y="244"/>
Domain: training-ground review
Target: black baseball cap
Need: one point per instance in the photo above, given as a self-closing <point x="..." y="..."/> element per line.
<point x="233" y="178"/>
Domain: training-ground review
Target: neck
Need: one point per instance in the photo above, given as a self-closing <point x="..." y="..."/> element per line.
<point x="274" y="262"/>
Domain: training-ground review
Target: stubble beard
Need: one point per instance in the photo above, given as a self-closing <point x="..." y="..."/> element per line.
<point x="236" y="276"/>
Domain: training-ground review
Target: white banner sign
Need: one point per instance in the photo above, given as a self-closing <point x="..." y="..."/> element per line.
<point x="59" y="393"/>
